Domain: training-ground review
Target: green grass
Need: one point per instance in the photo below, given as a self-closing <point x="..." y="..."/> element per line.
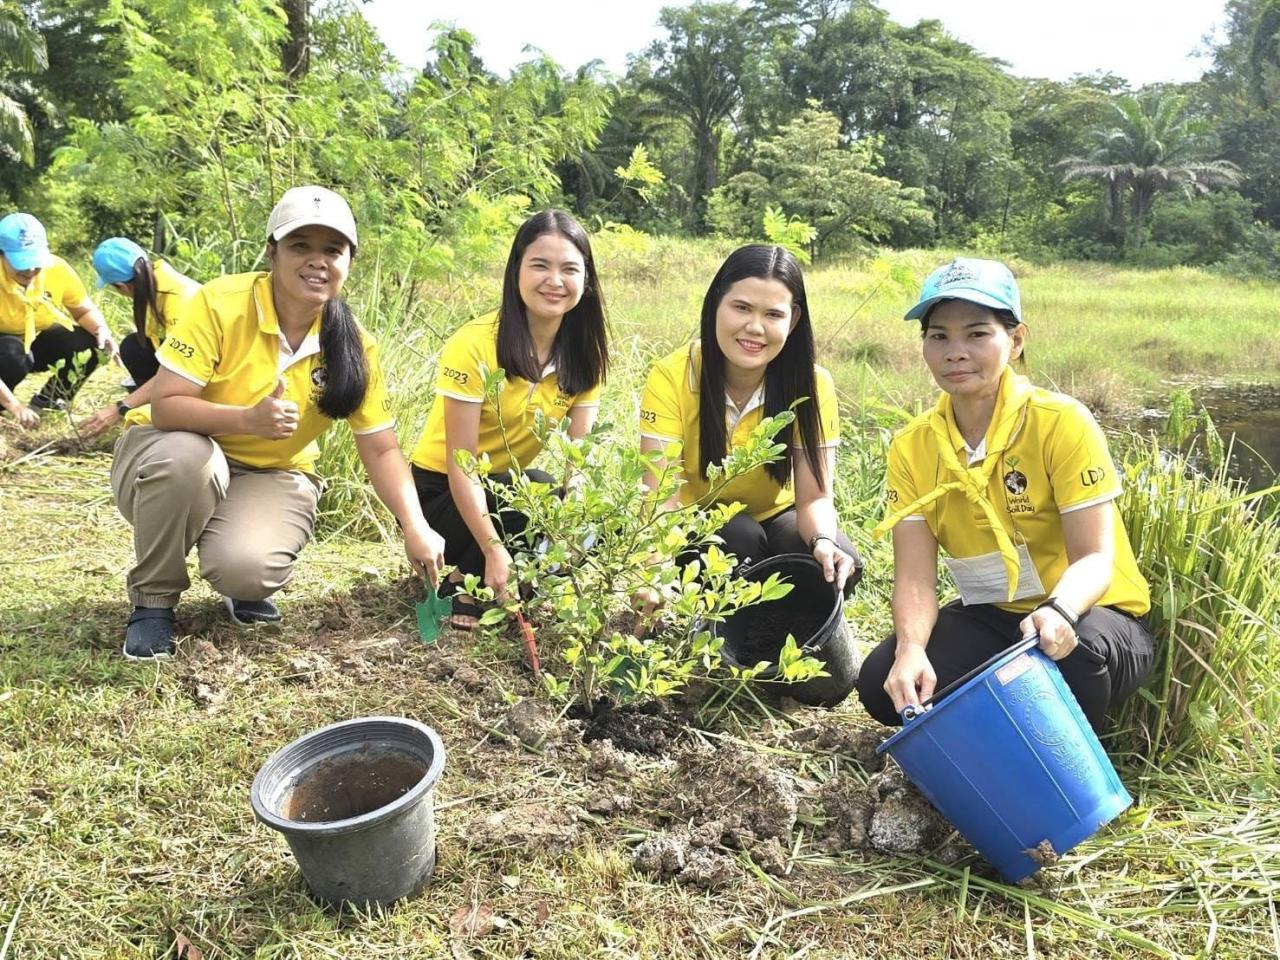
<point x="124" y="816"/>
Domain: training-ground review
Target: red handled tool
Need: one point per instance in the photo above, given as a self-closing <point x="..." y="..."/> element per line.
<point x="530" y="645"/>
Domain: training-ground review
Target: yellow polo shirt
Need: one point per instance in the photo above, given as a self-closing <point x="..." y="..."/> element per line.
<point x="50" y="297"/>
<point x="506" y="431"/>
<point x="228" y="342"/>
<point x="669" y="412"/>
<point x="1056" y="462"/>
<point x="173" y="292"/>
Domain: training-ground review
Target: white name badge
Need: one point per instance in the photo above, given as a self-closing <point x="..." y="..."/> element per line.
<point x="983" y="579"/>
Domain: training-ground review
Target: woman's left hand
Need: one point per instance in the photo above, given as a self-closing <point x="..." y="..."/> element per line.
<point x="425" y="550"/>
<point x="1057" y="638"/>
<point x="100" y="422"/>
<point x="837" y="566"/>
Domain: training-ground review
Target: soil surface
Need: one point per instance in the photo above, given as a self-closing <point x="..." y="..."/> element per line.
<point x="352" y="785"/>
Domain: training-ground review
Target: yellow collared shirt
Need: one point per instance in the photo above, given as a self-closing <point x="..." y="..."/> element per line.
<point x="669" y="412"/>
<point x="228" y="342"/>
<point x="506" y="431"/>
<point x="50" y="297"/>
<point x="173" y="292"/>
<point x="1055" y="463"/>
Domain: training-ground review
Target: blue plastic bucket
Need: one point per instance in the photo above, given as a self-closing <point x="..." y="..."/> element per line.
<point x="1008" y="757"/>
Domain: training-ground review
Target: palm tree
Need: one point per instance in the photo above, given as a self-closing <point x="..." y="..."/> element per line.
<point x="1152" y="148"/>
<point x="21" y="48"/>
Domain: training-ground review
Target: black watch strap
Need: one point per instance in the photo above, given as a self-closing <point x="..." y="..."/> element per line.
<point x="122" y="408"/>
<point x="1067" y="614"/>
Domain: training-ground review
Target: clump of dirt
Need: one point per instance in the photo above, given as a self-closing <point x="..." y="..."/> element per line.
<point x="211" y="675"/>
<point x="352" y="784"/>
<point x="605" y="802"/>
<point x="686" y="858"/>
<point x="531" y="722"/>
<point x="858" y="743"/>
<point x="744" y="791"/>
<point x="847" y="809"/>
<point x="608" y="760"/>
<point x="1043" y="853"/>
<point x="645" y="730"/>
<point x="531" y="826"/>
<point x="903" y="820"/>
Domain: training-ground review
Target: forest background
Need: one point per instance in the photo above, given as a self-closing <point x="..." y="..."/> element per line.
<point x="822" y="123"/>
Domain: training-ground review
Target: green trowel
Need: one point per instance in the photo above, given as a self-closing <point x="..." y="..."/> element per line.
<point x="431" y="610"/>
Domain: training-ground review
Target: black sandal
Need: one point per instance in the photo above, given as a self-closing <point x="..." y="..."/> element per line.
<point x="464" y="605"/>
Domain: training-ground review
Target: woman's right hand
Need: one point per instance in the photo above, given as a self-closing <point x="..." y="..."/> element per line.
<point x="27" y="418"/>
<point x="497" y="569"/>
<point x="911" y="678"/>
<point x="272" y="417"/>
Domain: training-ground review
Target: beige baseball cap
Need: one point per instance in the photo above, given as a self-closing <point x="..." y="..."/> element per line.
<point x="311" y="206"/>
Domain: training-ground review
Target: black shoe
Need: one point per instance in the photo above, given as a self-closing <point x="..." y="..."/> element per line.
<point x="40" y="403"/>
<point x="149" y="635"/>
<point x="248" y="612"/>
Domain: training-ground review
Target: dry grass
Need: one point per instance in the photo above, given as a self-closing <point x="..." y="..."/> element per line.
<point x="124" y="818"/>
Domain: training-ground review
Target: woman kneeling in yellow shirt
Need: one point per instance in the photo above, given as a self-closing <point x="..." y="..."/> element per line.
<point x="1016" y="484"/>
<point x="158" y="294"/>
<point x="549" y="336"/>
<point x="257" y="368"/>
<point x="755" y="359"/>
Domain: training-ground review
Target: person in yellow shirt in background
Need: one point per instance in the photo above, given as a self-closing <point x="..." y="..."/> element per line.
<point x="46" y="317"/>
<point x="1015" y="483"/>
<point x="158" y="293"/>
<point x="755" y="359"/>
<point x="259" y="365"/>
<point x="549" y="336"/>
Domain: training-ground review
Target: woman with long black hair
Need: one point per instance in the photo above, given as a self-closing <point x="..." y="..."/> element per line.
<point x="258" y="367"/>
<point x="158" y="294"/>
<point x="549" y="337"/>
<point x="755" y="359"/>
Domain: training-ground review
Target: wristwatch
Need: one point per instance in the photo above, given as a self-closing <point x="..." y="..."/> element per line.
<point x="813" y="541"/>
<point x="1063" y="610"/>
<point x="122" y="408"/>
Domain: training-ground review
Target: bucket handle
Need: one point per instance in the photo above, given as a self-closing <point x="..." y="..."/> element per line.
<point x="910" y="711"/>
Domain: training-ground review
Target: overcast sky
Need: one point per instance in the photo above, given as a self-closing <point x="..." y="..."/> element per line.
<point x="1142" y="40"/>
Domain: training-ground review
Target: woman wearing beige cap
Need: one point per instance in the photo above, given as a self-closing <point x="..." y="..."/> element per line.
<point x="259" y="365"/>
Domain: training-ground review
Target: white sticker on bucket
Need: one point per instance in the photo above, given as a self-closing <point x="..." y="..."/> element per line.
<point x="1013" y="669"/>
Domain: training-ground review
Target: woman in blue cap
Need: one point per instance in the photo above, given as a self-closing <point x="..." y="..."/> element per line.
<point x="47" y="320"/>
<point x="158" y="293"/>
<point x="1016" y="485"/>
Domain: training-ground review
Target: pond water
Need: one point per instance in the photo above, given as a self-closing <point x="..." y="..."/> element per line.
<point x="1252" y="414"/>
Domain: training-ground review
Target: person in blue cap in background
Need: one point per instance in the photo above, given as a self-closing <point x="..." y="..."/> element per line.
<point x="158" y="293"/>
<point x="46" y="317"/>
<point x="1016" y="485"/>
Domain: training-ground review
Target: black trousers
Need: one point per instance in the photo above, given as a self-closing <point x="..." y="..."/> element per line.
<point x="139" y="358"/>
<point x="1113" y="656"/>
<point x="750" y="539"/>
<point x="55" y="347"/>
<point x="442" y="514"/>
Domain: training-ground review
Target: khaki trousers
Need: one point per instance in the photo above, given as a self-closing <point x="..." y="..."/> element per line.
<point x="178" y="490"/>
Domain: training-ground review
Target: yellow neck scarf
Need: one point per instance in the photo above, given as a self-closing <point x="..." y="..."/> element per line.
<point x="32" y="297"/>
<point x="1006" y="421"/>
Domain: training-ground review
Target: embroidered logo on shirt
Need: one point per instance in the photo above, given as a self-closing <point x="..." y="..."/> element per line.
<point x="1015" y="481"/>
<point x="319" y="376"/>
<point x="1092" y="476"/>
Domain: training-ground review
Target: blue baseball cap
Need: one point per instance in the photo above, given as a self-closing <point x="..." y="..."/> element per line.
<point x="114" y="260"/>
<point x="23" y="242"/>
<point x="985" y="282"/>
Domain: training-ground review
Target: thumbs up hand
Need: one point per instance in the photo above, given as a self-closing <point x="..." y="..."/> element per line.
<point x="272" y="417"/>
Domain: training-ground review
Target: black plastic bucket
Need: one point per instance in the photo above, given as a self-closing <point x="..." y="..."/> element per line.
<point x="354" y="801"/>
<point x="813" y="612"/>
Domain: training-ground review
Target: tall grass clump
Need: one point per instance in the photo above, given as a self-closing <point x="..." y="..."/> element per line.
<point x="1209" y="551"/>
